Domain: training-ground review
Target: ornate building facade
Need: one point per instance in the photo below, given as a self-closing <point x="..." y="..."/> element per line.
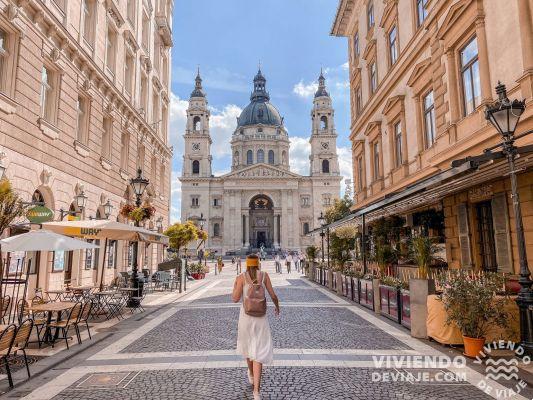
<point x="260" y="202"/>
<point x="421" y="74"/>
<point x="84" y="100"/>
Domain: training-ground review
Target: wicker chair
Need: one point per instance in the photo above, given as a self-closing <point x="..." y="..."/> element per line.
<point x="65" y="325"/>
<point x="83" y="319"/>
<point x="4" y="307"/>
<point x="6" y="342"/>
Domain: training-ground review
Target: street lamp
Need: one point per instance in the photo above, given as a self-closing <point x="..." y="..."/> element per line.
<point x="108" y="209"/>
<point x="138" y="184"/>
<point x="504" y="115"/>
<point x="321" y="219"/>
<point x="81" y="202"/>
<point x="202" y="221"/>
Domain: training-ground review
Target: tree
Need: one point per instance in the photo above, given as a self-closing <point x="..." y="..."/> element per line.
<point x="11" y="205"/>
<point x="181" y="234"/>
<point x="342" y="241"/>
<point x="339" y="209"/>
<point x="311" y="252"/>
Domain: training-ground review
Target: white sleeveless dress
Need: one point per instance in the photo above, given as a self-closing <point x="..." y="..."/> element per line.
<point x="254" y="340"/>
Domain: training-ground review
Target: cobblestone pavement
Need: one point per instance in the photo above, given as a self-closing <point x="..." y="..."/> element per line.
<point x="324" y="349"/>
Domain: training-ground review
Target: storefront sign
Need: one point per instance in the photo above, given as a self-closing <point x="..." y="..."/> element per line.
<point x="39" y="214"/>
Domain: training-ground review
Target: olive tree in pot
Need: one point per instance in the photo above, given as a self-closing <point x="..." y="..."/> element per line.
<point x="423" y="252"/>
<point x="472" y="302"/>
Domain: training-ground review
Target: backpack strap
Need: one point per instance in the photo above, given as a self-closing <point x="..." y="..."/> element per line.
<point x="263" y="278"/>
<point x="247" y="278"/>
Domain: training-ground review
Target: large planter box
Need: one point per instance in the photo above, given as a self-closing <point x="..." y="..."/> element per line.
<point x="390" y="302"/>
<point x="334" y="281"/>
<point x="419" y="290"/>
<point x="345" y="283"/>
<point x="366" y="294"/>
<point x="355" y="289"/>
<point x="406" y="308"/>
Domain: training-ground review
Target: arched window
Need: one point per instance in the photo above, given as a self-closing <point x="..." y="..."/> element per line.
<point x="271" y="156"/>
<point x="37" y="197"/>
<point x="216" y="229"/>
<point x="260" y="156"/>
<point x="325" y="166"/>
<point x="249" y="157"/>
<point x="196" y="167"/>
<point x="306" y="228"/>
<point x="196" y="123"/>
<point x="236" y="160"/>
<point x="323" y="122"/>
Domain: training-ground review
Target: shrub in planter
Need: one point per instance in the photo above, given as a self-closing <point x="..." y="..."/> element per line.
<point x="366" y="296"/>
<point x="390" y="297"/>
<point x="197" y="270"/>
<point x="472" y="303"/>
<point x="423" y="252"/>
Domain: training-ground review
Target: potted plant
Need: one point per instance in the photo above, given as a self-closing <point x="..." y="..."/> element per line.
<point x="472" y="303"/>
<point x="385" y="256"/>
<point x="196" y="270"/>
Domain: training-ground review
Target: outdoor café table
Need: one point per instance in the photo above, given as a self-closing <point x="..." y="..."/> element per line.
<point x="57" y="307"/>
<point x="56" y="293"/>
<point x="101" y="304"/>
<point x="80" y="292"/>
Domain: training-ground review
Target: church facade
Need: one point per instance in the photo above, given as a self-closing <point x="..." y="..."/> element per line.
<point x="260" y="202"/>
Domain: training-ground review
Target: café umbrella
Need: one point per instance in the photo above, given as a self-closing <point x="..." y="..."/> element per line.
<point x="43" y="240"/>
<point x="105" y="229"/>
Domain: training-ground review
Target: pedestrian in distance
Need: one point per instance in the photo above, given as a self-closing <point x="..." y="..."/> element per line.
<point x="288" y="262"/>
<point x="277" y="263"/>
<point x="254" y="340"/>
<point x="239" y="266"/>
<point x="232" y="262"/>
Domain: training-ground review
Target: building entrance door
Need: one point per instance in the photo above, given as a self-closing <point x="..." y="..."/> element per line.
<point x="261" y="222"/>
<point x="261" y="239"/>
<point x="487" y="247"/>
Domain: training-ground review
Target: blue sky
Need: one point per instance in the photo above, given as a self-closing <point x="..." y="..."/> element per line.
<point x="227" y="39"/>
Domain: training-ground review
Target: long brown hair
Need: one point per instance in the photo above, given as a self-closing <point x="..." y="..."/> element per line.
<point x="252" y="266"/>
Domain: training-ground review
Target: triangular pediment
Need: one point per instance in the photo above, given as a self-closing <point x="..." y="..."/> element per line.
<point x="418" y="71"/>
<point x="261" y="171"/>
<point x="454" y="13"/>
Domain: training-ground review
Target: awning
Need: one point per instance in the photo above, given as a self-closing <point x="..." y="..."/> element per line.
<point x="433" y="189"/>
<point x="104" y="229"/>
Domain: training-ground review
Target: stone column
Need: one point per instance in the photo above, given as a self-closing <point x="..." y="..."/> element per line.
<point x="484" y="72"/>
<point x="247" y="229"/>
<point x="276" y="230"/>
<point x="455" y="111"/>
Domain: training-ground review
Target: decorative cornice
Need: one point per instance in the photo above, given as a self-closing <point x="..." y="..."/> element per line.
<point x="114" y="13"/>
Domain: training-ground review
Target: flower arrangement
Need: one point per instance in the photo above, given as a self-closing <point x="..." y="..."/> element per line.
<point x="139" y="214"/>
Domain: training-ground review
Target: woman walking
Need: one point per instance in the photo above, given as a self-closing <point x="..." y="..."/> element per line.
<point x="254" y="340"/>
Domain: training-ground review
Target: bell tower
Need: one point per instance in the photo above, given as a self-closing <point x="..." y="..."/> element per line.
<point x="323" y="158"/>
<point x="197" y="152"/>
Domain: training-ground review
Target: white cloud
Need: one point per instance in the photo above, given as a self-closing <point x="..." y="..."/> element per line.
<point x="346" y="65"/>
<point x="299" y="155"/>
<point x="178" y="121"/>
<point x="175" y="192"/>
<point x="222" y="125"/>
<point x="305" y="90"/>
<point x="345" y="164"/>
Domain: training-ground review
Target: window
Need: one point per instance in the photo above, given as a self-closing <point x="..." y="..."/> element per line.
<point x="165" y="70"/>
<point x="398" y="144"/>
<point x="326" y="200"/>
<point x="323" y="122"/>
<point x="146" y="33"/>
<point x="216" y="229"/>
<point x="356" y="49"/>
<point x="82" y="122"/>
<point x="217" y="202"/>
<point x="429" y="119"/>
<point x="140" y="157"/>
<point x="360" y="173"/>
<point x="393" y="45"/>
<point x="195" y="201"/>
<point x="370" y="15"/>
<point x="131" y="12"/>
<point x="164" y="122"/>
<point x="421" y="11"/>
<point x="375" y="151"/>
<point x="249" y="157"/>
<point x="358" y="100"/>
<point x="306" y="228"/>
<point x="373" y="77"/>
<point x="144" y="94"/>
<point x="305" y="201"/>
<point x="90" y="257"/>
<point x="196" y="167"/>
<point x="88" y="8"/>
<point x="124" y="151"/>
<point x="325" y="166"/>
<point x="260" y="156"/>
<point x="5" y="61"/>
<point x="153" y="171"/>
<point x="129" y="71"/>
<point x="111" y="252"/>
<point x="111" y="50"/>
<point x="162" y="180"/>
<point x="107" y="138"/>
<point x="236" y="158"/>
<point x="271" y="156"/>
<point x="155" y="111"/>
<point x="49" y="93"/>
<point x="470" y="76"/>
<point x="60" y="4"/>
<point x="196" y="123"/>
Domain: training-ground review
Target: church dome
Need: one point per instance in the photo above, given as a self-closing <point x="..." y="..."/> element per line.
<point x="259" y="111"/>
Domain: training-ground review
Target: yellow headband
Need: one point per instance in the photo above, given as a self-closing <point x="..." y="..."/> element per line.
<point x="252" y="261"/>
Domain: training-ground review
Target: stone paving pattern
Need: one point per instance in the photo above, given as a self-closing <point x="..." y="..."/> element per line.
<point x="279" y="383"/>
<point x="285" y="295"/>
<point x="297" y="327"/>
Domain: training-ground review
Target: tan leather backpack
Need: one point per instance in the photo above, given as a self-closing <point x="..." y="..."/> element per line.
<point x="254" y="299"/>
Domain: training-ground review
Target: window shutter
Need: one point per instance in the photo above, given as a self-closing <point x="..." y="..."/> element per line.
<point x="464" y="235"/>
<point x="502" y="240"/>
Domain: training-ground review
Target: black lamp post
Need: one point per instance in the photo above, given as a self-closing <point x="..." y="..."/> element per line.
<point x="321" y="219"/>
<point x="138" y="184"/>
<point x="504" y="115"/>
